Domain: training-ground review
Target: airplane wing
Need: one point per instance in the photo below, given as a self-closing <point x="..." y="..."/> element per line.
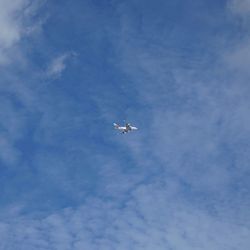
<point x="133" y="128"/>
<point x="116" y="125"/>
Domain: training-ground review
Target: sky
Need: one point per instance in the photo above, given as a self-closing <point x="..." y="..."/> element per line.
<point x="178" y="70"/>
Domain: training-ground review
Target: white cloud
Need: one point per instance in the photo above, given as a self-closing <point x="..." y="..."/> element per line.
<point x="14" y="23"/>
<point x="11" y="24"/>
<point x="184" y="135"/>
<point x="150" y="219"/>
<point x="240" y="7"/>
<point x="237" y="55"/>
<point x="58" y="64"/>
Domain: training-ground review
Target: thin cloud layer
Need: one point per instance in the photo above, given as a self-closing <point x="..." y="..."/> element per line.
<point x="151" y="219"/>
<point x="240" y="7"/>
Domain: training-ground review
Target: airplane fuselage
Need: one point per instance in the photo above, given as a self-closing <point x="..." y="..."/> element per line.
<point x="125" y="129"/>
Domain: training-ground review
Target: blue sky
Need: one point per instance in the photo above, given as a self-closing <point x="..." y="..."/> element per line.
<point x="176" y="69"/>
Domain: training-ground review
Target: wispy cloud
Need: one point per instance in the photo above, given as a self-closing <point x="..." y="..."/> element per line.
<point x="187" y="103"/>
<point x="173" y="185"/>
<point x="198" y="117"/>
<point x="151" y="219"/>
<point x="237" y="55"/>
<point x="15" y="21"/>
<point x="58" y="65"/>
<point x="240" y="7"/>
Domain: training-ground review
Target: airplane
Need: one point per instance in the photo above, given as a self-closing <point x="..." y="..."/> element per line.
<point x="124" y="129"/>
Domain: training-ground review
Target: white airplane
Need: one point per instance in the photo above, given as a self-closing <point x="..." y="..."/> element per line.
<point x="125" y="129"/>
